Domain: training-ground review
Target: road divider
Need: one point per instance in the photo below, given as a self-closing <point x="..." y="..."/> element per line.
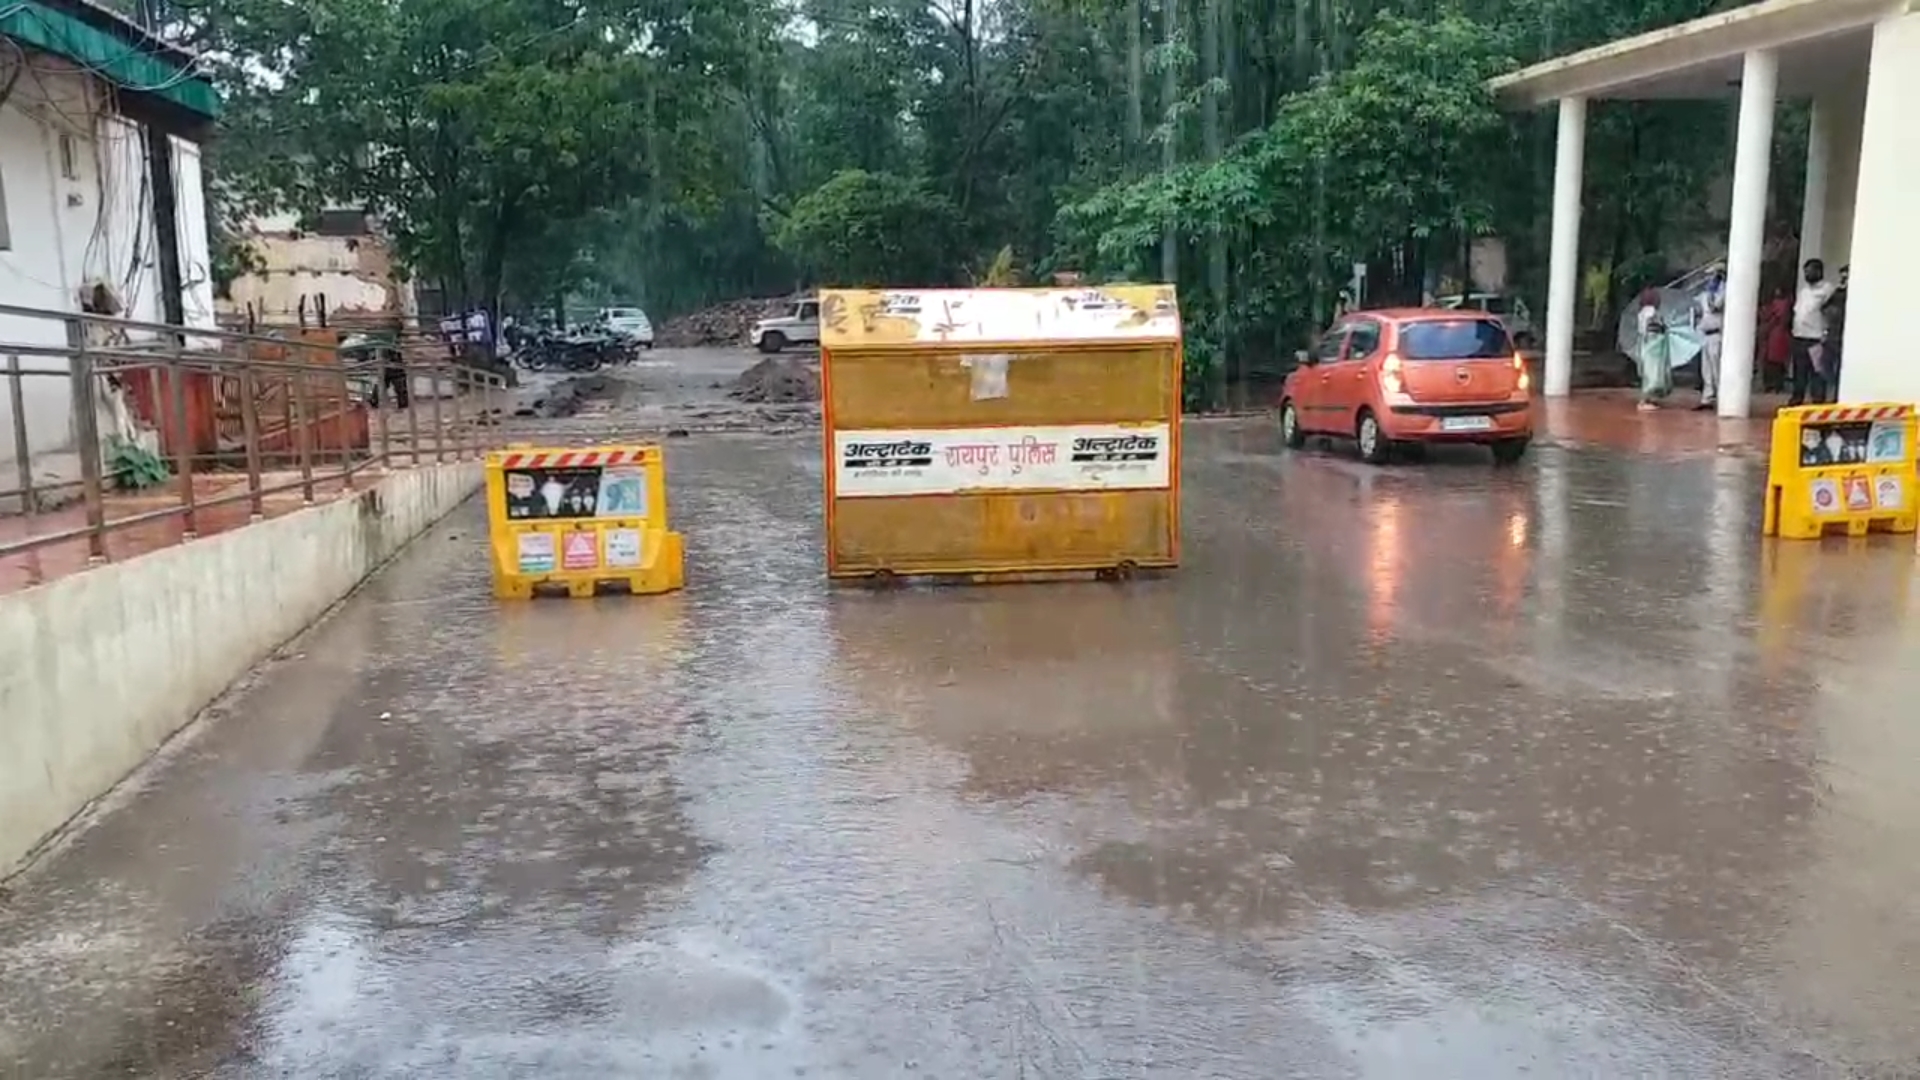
<point x="1841" y="468"/>
<point x="580" y="520"/>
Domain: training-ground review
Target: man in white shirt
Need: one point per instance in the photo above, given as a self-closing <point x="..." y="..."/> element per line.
<point x="1809" y="330"/>
<point x="1709" y="306"/>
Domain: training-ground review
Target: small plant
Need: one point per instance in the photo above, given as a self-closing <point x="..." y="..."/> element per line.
<point x="134" y="467"/>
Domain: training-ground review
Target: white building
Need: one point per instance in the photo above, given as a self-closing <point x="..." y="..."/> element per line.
<point x="1858" y="62"/>
<point x="93" y="102"/>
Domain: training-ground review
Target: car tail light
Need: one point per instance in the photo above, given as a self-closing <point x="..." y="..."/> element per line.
<point x="1390" y="373"/>
<point x="1520" y="366"/>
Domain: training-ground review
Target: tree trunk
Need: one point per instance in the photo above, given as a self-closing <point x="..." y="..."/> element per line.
<point x="1217" y="239"/>
<point x="1302" y="44"/>
<point x="1170" y="149"/>
<point x="1136" y="89"/>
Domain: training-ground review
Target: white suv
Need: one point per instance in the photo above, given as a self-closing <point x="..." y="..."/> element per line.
<point x="799" y="326"/>
<point x="630" y="321"/>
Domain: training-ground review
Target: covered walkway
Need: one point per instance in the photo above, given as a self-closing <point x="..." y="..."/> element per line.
<point x="1858" y="62"/>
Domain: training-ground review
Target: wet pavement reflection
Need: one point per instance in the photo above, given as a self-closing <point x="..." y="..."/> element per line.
<point x="1435" y="771"/>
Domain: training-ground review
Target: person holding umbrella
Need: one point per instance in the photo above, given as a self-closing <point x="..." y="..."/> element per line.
<point x="1655" y="354"/>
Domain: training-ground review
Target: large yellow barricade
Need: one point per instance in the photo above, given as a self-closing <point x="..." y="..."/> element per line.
<point x="1001" y="431"/>
<point x="579" y="519"/>
<point x="1841" y="468"/>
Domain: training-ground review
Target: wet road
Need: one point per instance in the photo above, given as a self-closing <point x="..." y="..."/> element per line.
<point x="1436" y="772"/>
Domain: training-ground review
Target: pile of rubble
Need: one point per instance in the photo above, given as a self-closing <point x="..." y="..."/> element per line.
<point x="778" y="381"/>
<point x="721" y="324"/>
<point x="567" y="397"/>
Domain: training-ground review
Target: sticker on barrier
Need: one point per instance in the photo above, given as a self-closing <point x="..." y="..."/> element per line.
<point x="1083" y="457"/>
<point x="581" y="552"/>
<point x="580" y="520"/>
<point x="623" y="548"/>
<point x="535" y="552"/>
<point x="1841" y="468"/>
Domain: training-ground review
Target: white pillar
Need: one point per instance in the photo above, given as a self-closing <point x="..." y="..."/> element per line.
<point x="1563" y="266"/>
<point x="1878" y="364"/>
<point x="1752" y="157"/>
<point x="1813" y="212"/>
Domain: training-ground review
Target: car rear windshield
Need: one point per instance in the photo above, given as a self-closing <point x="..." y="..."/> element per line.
<point x="1454" y="339"/>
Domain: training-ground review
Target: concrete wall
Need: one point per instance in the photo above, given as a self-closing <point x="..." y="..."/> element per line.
<point x="1879" y="365"/>
<point x="100" y="668"/>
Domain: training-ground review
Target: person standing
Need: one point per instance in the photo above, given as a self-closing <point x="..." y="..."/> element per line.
<point x="1833" y="350"/>
<point x="1709" y="313"/>
<point x="1776" y="332"/>
<point x="1809" y="333"/>
<point x="1655" y="348"/>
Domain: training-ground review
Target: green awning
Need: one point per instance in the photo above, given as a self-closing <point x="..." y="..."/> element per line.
<point x="130" y="65"/>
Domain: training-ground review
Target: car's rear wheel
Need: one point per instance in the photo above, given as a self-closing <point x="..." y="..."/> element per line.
<point x="1509" y="451"/>
<point x="1375" y="449"/>
<point x="1290" y="431"/>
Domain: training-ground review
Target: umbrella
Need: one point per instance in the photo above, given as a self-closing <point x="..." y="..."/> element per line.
<point x="1682" y="342"/>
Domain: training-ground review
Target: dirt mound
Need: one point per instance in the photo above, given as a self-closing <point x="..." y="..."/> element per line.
<point x="777" y="380"/>
<point x="568" y="396"/>
<point x="721" y="324"/>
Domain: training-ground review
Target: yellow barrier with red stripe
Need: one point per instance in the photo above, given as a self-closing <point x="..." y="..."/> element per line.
<point x="1841" y="468"/>
<point x="580" y="519"/>
<point x="562" y="459"/>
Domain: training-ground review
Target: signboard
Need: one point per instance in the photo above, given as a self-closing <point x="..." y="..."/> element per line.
<point x="575" y="493"/>
<point x="1853" y="443"/>
<point x="1081" y="457"/>
<point x="1118" y="313"/>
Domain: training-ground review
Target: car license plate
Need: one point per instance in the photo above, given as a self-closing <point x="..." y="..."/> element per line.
<point x="1466" y="423"/>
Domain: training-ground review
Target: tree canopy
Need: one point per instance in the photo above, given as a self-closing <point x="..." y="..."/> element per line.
<point x="679" y="152"/>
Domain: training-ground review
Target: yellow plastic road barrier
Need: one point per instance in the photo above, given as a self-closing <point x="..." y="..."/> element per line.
<point x="1001" y="432"/>
<point x="1841" y="468"/>
<point x="580" y="518"/>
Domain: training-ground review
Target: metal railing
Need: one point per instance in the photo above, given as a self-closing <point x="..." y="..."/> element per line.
<point x="287" y="413"/>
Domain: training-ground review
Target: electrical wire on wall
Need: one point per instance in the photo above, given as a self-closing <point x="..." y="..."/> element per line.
<point x="101" y="125"/>
<point x="103" y="128"/>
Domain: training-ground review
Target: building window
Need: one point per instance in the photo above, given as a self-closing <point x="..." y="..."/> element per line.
<point x="69" y="157"/>
<point x="342" y="223"/>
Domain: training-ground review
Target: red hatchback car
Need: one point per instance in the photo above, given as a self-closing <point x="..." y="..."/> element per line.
<point x="1400" y="377"/>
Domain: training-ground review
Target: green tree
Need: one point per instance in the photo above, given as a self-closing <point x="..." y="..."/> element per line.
<point x="477" y="129"/>
<point x="870" y="229"/>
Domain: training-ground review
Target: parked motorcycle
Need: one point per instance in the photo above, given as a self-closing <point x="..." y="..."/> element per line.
<point x="551" y="351"/>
